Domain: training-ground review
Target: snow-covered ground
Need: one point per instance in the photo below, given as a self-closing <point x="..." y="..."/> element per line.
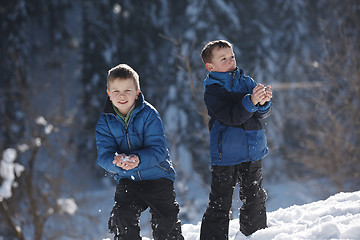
<point x="337" y="217"/>
<point x="294" y="212"/>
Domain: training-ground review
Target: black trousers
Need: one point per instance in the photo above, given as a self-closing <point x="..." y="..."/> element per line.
<point x="215" y="222"/>
<point x="132" y="198"/>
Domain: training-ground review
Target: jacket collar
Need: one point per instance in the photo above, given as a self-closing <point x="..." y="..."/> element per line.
<point x="225" y="79"/>
<point x="139" y="104"/>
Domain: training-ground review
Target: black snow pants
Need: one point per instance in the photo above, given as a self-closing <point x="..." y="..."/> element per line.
<point x="134" y="197"/>
<point x="215" y="222"/>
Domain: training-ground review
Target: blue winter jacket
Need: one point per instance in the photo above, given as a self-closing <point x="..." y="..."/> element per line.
<point x="144" y="136"/>
<point x="236" y="133"/>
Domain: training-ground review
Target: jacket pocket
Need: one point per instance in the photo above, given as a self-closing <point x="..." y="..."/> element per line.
<point x="216" y="143"/>
<point x="257" y="144"/>
<point x="165" y="166"/>
<point x="235" y="146"/>
<point x="220" y="145"/>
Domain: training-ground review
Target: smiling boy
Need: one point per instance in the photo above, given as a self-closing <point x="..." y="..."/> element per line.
<point x="131" y="144"/>
<point x="123" y="94"/>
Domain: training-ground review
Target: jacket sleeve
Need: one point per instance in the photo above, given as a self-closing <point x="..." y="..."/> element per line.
<point x="222" y="105"/>
<point x="106" y="146"/>
<point x="264" y="111"/>
<point x="155" y="148"/>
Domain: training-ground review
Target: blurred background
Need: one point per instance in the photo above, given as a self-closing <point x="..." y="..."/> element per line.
<point x="54" y="58"/>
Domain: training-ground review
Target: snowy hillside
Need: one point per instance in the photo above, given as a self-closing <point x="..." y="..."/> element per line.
<point x="338" y="217"/>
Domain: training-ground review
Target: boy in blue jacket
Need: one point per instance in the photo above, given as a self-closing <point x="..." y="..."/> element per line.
<point x="235" y="104"/>
<point x="131" y="144"/>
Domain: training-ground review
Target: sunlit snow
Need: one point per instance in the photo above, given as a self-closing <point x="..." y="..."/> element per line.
<point x="337" y="217"/>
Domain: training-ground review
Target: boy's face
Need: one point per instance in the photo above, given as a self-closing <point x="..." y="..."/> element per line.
<point x="223" y="60"/>
<point x="123" y="94"/>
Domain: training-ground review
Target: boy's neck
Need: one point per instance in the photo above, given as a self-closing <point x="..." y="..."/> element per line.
<point x="123" y="116"/>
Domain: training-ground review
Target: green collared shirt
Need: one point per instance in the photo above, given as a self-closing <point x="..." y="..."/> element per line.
<point x="125" y="118"/>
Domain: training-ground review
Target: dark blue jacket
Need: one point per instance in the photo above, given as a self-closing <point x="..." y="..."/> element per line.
<point x="144" y="136"/>
<point x="236" y="133"/>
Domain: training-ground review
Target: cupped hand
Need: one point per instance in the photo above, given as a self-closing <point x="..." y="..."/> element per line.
<point x="268" y="95"/>
<point x="258" y="94"/>
<point x="126" y="162"/>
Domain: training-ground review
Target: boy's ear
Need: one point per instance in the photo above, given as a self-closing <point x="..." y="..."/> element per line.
<point x="209" y="67"/>
<point x="137" y="94"/>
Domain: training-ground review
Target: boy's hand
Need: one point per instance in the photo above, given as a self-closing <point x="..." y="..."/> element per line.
<point x="258" y="94"/>
<point x="268" y="95"/>
<point x="126" y="162"/>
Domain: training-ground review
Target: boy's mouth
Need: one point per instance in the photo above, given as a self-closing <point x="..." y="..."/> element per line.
<point x="124" y="102"/>
<point x="232" y="69"/>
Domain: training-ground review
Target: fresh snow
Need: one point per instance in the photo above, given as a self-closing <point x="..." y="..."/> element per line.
<point x="337" y="217"/>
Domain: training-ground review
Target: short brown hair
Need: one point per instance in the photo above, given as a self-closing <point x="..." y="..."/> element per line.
<point x="206" y="52"/>
<point x="123" y="71"/>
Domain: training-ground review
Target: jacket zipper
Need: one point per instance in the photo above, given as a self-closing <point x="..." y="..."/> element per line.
<point x="127" y="137"/>
<point x="220" y="143"/>
<point x="168" y="170"/>
<point x="138" y="173"/>
<point x="129" y="145"/>
<point x="126" y="132"/>
<point x="232" y="82"/>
